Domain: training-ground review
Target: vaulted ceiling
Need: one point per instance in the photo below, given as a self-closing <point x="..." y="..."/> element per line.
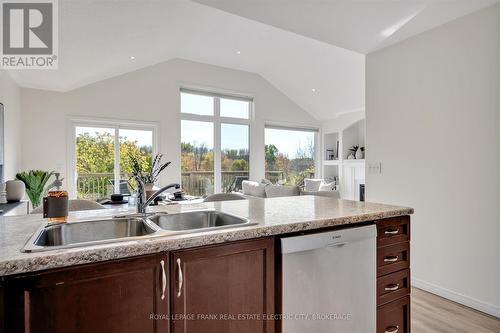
<point x="311" y="50"/>
<point x="359" y="25"/>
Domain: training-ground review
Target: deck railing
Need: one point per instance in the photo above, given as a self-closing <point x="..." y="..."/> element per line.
<point x="200" y="183"/>
<point x="96" y="186"/>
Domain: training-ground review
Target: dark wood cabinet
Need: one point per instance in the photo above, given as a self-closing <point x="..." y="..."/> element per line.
<point x="394" y="317"/>
<point x="225" y="288"/>
<point x="117" y="296"/>
<point x="393" y="230"/>
<point x="393" y="275"/>
<point x="393" y="258"/>
<point x="393" y="286"/>
<point x="2" y="317"/>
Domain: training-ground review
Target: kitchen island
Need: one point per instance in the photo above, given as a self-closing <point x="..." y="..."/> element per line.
<point x="155" y="284"/>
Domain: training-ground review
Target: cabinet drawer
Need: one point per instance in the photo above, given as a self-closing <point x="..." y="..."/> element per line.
<point x="394" y="317"/>
<point x="393" y="286"/>
<point x="393" y="258"/>
<point x="393" y="230"/>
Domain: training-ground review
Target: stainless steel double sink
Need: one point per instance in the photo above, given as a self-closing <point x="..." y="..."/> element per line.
<point x="128" y="228"/>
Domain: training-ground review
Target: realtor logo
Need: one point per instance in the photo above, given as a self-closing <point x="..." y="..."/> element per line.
<point x="29" y="34"/>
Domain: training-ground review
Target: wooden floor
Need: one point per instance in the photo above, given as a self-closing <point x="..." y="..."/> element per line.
<point x="431" y="313"/>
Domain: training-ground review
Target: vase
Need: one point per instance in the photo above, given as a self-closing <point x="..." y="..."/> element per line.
<point x="360" y="154"/>
<point x="15" y="190"/>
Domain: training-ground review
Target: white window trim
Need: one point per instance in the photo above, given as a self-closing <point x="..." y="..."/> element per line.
<point x="217" y="122"/>
<point x="116" y="124"/>
<point x="318" y="172"/>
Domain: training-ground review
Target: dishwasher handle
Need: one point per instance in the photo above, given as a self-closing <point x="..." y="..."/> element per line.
<point x="339" y="244"/>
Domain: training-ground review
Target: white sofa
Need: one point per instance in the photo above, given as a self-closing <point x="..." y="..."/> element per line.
<point x="320" y="187"/>
<point x="266" y="190"/>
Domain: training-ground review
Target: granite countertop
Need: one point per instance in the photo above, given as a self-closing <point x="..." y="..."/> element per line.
<point x="273" y="216"/>
<point x="6" y="207"/>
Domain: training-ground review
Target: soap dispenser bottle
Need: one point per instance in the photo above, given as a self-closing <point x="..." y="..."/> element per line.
<point x="55" y="205"/>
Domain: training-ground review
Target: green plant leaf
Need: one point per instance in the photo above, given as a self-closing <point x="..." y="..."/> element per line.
<point x="35" y="182"/>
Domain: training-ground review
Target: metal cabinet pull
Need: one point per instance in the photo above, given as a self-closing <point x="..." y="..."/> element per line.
<point x="391" y="259"/>
<point x="391" y="232"/>
<point x="392" y="329"/>
<point x="163" y="279"/>
<point x="392" y="287"/>
<point x="180" y="277"/>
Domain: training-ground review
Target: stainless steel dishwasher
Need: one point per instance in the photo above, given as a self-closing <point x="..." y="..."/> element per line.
<point x="329" y="282"/>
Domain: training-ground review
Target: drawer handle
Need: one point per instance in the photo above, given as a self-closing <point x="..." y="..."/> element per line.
<point x="392" y="287"/>
<point x="392" y="329"/>
<point x="391" y="232"/>
<point x="391" y="259"/>
<point x="163" y="279"/>
<point x="180" y="277"/>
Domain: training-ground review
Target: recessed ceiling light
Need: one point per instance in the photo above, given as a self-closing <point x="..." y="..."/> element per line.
<point x="238" y="52"/>
<point x="313" y="90"/>
<point x="132" y="58"/>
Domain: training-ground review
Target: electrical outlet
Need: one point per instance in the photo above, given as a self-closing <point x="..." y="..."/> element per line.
<point x="375" y="168"/>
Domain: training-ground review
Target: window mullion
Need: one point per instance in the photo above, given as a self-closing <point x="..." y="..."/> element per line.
<point x="117" y="161"/>
<point x="217" y="147"/>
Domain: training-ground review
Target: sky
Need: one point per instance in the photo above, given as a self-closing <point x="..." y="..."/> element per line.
<point x="233" y="136"/>
<point x="236" y="136"/>
<point x="288" y="141"/>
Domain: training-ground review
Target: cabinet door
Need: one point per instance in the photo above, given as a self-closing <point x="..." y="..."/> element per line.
<point x="225" y="288"/>
<point x="394" y="317"/>
<point x="117" y="296"/>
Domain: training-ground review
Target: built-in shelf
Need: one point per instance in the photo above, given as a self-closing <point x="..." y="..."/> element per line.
<point x="354" y="161"/>
<point x="331" y="162"/>
<point x="353" y="135"/>
<point x="349" y="173"/>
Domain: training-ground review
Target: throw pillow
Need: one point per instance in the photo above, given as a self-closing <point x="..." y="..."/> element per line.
<point x="253" y="189"/>
<point x="312" y="185"/>
<point x="326" y="187"/>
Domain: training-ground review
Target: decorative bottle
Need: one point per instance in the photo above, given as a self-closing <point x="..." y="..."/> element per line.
<point x="55" y="205"/>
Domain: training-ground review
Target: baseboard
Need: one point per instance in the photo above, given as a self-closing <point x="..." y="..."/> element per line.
<point x="490" y="309"/>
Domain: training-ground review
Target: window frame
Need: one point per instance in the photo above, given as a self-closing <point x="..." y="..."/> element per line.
<point x="116" y="125"/>
<point x="217" y="120"/>
<point x="318" y="172"/>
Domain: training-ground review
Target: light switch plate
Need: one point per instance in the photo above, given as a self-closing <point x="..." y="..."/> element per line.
<point x="375" y="168"/>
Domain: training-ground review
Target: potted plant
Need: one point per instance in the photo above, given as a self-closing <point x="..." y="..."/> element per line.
<point x="148" y="177"/>
<point x="360" y="153"/>
<point x="353" y="151"/>
<point x="36" y="184"/>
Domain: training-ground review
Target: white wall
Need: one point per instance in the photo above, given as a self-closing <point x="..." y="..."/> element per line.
<point x="341" y="122"/>
<point x="150" y="94"/>
<point x="10" y="96"/>
<point x="433" y="120"/>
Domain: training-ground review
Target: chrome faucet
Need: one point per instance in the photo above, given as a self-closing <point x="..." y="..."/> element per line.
<point x="142" y="203"/>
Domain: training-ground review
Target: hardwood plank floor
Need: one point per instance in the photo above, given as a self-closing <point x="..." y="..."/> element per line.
<point x="431" y="313"/>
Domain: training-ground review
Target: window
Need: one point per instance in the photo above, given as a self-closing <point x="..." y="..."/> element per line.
<point x="197" y="157"/>
<point x="215" y="142"/>
<point x="102" y="157"/>
<point x="234" y="155"/>
<point x="289" y="154"/>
